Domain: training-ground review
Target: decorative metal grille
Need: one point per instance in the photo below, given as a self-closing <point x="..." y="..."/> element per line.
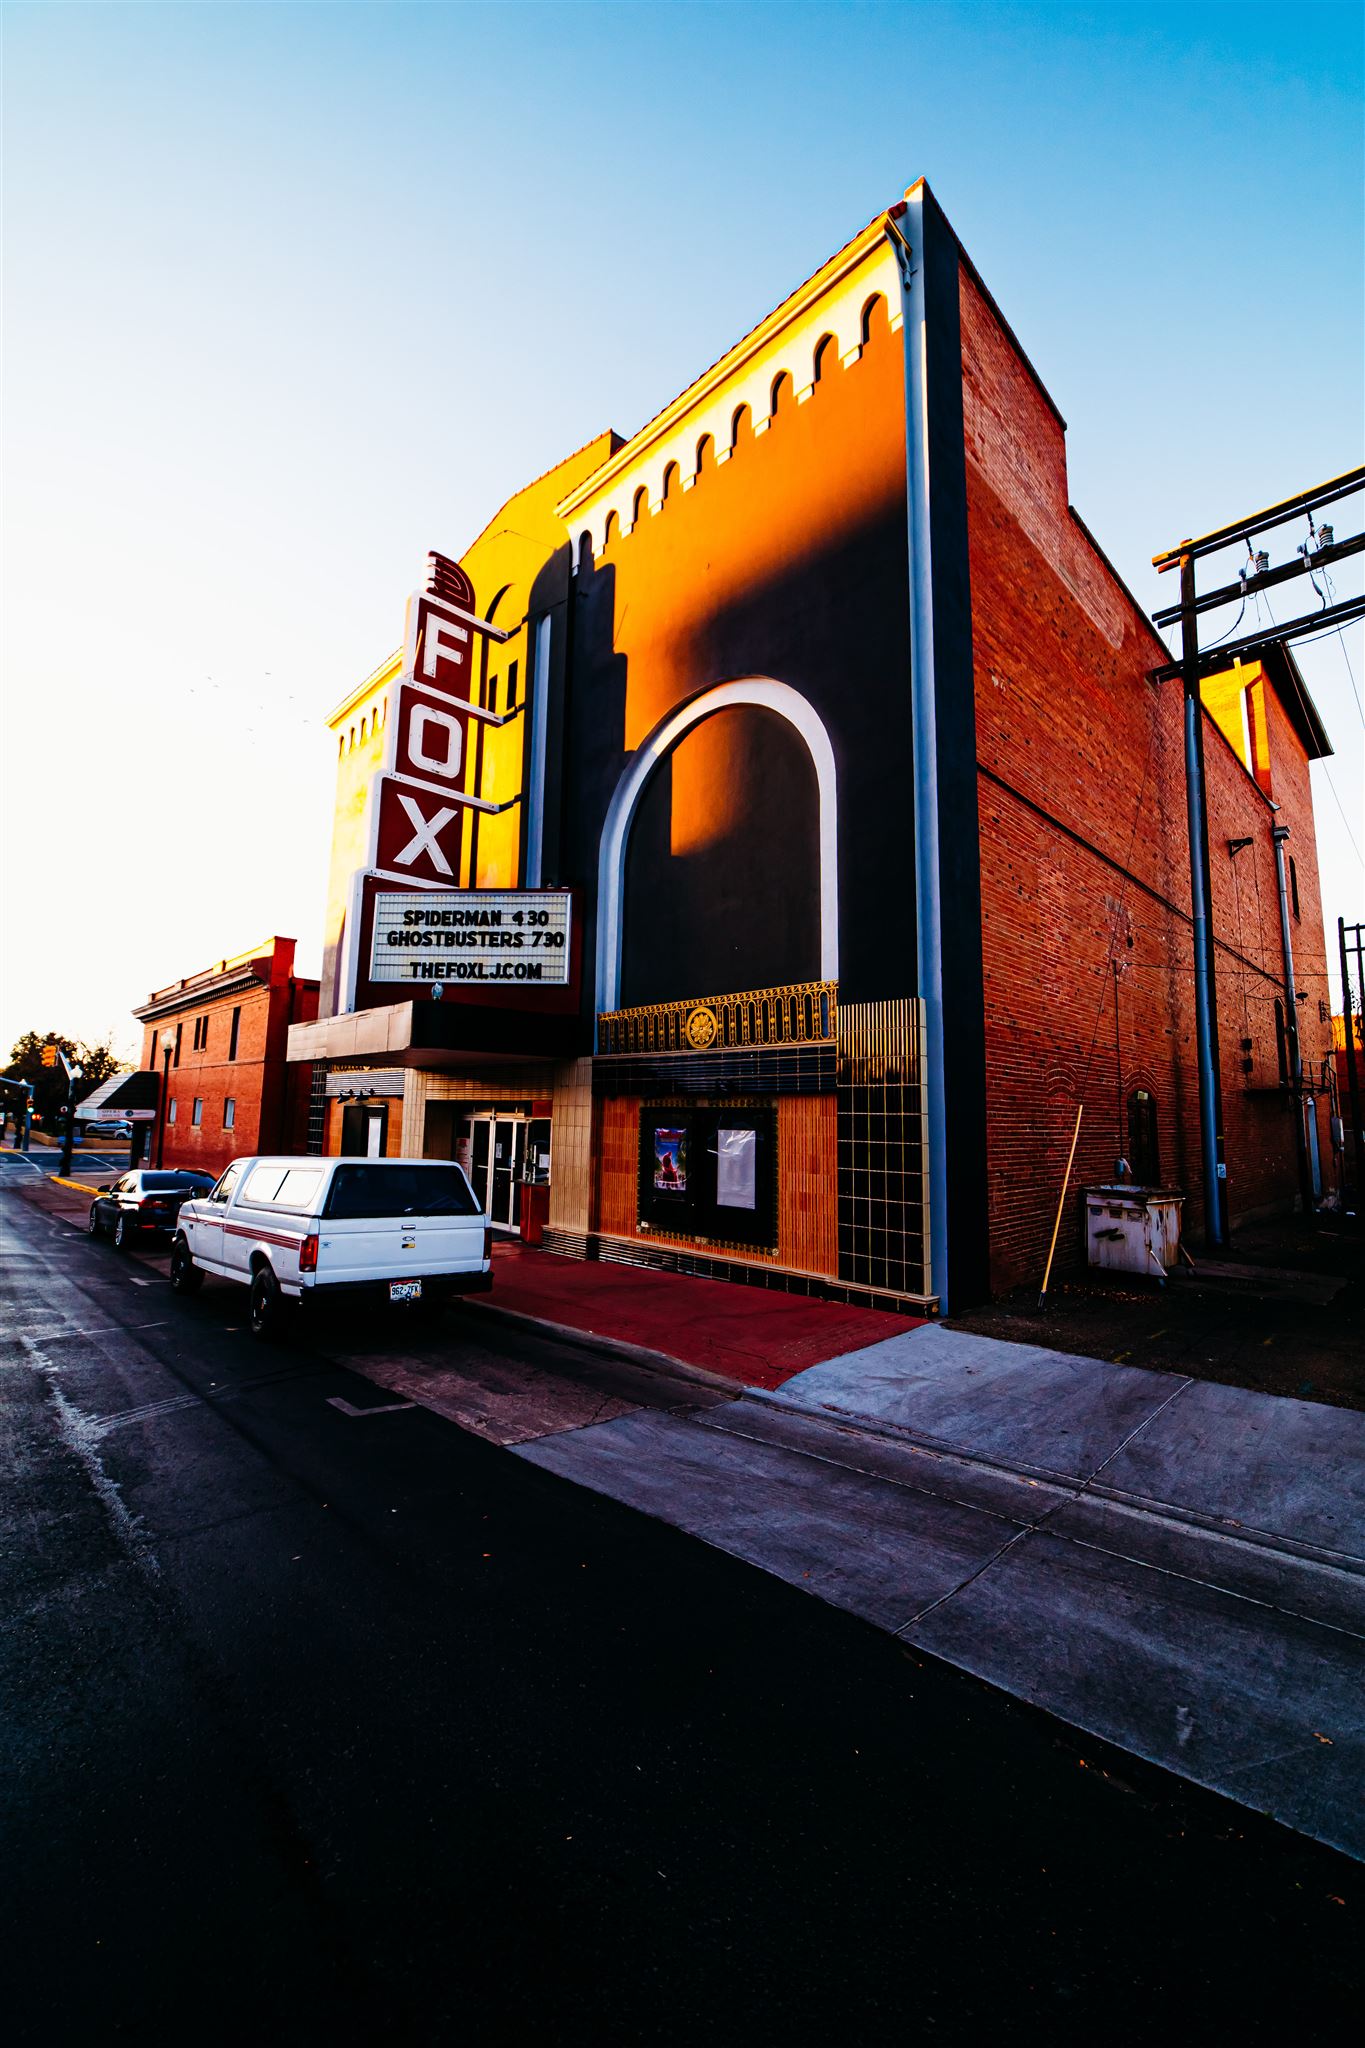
<point x="317" y="1108"/>
<point x="803" y="1013"/>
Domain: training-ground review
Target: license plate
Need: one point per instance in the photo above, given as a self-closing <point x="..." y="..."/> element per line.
<point x="405" y="1290"/>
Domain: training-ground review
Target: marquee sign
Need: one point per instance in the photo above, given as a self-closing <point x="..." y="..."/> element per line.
<point x="411" y="930"/>
<point x="479" y="936"/>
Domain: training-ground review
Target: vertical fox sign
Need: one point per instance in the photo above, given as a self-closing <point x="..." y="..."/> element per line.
<point x="421" y="794"/>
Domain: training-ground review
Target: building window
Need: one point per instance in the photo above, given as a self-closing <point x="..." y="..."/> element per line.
<point x="178" y="1031"/>
<point x="362" y="731"/>
<point x="1144" y="1152"/>
<point x="1281" y="1044"/>
<point x="201" y="1034"/>
<point x="1293" y="885"/>
<point x="233" y="1031"/>
<point x="197" y="1113"/>
<point x="170" y="1111"/>
<point x="230" y="1113"/>
<point x="512" y="686"/>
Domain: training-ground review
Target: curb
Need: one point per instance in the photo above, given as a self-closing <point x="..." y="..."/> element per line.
<point x="613" y="1347"/>
<point x="82" y="1187"/>
<point x="876" y="1428"/>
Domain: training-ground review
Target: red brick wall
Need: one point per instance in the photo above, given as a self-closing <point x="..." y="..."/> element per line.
<point x="271" y="1100"/>
<point x="1081" y="794"/>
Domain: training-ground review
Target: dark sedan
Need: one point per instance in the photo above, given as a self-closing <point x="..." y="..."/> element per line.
<point x="143" y="1202"/>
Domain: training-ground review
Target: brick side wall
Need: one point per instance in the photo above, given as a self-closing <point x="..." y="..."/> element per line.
<point x="1081" y="795"/>
<point x="271" y="1101"/>
<point x="212" y="1078"/>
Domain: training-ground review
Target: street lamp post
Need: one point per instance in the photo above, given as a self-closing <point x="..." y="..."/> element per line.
<point x="167" y="1048"/>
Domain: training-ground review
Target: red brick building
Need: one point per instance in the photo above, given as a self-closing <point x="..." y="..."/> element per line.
<point x="820" y="720"/>
<point x="217" y="1040"/>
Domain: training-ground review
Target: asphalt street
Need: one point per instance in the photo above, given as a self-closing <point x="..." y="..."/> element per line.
<point x="85" y="1159"/>
<point x="334" y="1722"/>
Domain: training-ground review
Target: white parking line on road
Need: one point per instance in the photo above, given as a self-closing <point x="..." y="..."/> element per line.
<point x="51" y="1336"/>
<point x="389" y="1408"/>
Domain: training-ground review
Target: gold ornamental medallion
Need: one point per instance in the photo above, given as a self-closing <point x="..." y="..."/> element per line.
<point x="702" y="1027"/>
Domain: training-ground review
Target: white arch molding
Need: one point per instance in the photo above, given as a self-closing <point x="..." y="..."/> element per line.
<point x="611" y="862"/>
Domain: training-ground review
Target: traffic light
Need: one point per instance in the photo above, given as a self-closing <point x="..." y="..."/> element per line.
<point x="49" y="1055"/>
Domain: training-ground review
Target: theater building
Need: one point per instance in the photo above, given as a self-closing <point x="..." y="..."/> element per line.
<point x="217" y="1042"/>
<point x="815" y="732"/>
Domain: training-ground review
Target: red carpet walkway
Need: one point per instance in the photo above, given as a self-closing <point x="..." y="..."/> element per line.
<point x="755" y="1335"/>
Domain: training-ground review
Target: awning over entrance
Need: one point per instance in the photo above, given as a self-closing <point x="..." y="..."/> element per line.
<point x="131" y="1095"/>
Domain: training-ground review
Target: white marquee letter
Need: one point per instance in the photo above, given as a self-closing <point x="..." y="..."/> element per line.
<point x="436" y="634"/>
<point x="446" y="763"/>
<point x="424" y="835"/>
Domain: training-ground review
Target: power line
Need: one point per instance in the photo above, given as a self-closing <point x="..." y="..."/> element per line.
<point x="1344" y="819"/>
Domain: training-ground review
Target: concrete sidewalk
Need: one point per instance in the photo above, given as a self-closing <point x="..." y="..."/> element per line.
<point x="753" y="1336"/>
<point x="1173" y="1566"/>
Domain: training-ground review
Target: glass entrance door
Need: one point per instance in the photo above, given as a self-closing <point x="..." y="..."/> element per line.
<point x="509" y="1159"/>
<point x="497" y="1165"/>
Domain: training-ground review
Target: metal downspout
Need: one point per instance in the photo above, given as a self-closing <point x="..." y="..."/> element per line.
<point x="907" y="239"/>
<point x="1205" y="1001"/>
<point x="1279" y="833"/>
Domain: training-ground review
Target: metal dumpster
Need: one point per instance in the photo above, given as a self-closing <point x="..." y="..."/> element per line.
<point x="1132" y="1230"/>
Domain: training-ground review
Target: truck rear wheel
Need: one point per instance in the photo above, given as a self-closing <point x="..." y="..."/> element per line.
<point x="266" y="1312"/>
<point x="186" y="1277"/>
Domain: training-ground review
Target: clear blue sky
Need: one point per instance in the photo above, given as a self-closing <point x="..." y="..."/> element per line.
<point x="295" y="293"/>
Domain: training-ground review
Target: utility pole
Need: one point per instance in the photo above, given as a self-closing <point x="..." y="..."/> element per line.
<point x="1191" y="667"/>
<point x="1211" y="1146"/>
<point x="1352" y="1077"/>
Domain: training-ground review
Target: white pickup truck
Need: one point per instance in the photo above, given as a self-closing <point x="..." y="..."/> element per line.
<point x="290" y="1230"/>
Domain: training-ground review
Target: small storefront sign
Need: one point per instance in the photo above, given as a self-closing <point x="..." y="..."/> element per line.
<point x="473" y="935"/>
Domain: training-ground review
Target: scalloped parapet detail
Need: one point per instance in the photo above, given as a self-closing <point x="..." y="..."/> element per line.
<point x="779" y="364"/>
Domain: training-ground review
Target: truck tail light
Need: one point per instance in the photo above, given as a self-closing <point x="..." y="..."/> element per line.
<point x="308" y="1255"/>
<point x="487" y="1241"/>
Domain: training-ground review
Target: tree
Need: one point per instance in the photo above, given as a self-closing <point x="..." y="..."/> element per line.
<point x="49" y="1083"/>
